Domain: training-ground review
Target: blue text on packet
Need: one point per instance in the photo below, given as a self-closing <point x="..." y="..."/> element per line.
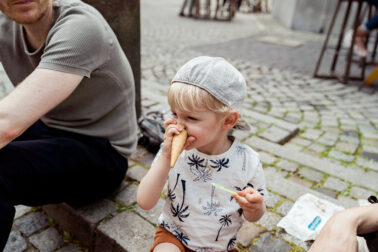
<point x="315" y="223"/>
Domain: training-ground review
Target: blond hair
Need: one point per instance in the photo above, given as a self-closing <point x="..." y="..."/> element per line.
<point x="191" y="98"/>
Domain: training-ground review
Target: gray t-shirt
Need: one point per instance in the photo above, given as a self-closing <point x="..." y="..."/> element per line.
<point x="80" y="41"/>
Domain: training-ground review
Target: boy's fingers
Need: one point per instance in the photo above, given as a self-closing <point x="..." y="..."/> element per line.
<point x="253" y="198"/>
<point x="169" y="121"/>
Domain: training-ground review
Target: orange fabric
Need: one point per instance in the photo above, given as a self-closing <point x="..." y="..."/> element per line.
<point x="162" y="235"/>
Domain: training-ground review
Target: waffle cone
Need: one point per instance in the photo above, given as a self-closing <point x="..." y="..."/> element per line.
<point x="178" y="142"/>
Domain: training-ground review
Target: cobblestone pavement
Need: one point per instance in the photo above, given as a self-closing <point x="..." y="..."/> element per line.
<point x="313" y="135"/>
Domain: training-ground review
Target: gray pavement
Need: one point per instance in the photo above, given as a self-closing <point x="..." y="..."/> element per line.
<point x="313" y="135"/>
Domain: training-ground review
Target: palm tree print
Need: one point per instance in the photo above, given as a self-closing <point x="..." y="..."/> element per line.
<point x="198" y="168"/>
<point x="212" y="206"/>
<point x="260" y="190"/>
<point x="181" y="237"/>
<point x="231" y="243"/>
<point x="225" y="220"/>
<point x="171" y="194"/>
<point x="196" y="161"/>
<point x="179" y="210"/>
<point x="241" y="189"/>
<point x="165" y="225"/>
<point x="220" y="163"/>
<point x="242" y="150"/>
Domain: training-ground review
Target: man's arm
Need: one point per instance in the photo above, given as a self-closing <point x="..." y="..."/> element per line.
<point x="340" y="232"/>
<point x="40" y="92"/>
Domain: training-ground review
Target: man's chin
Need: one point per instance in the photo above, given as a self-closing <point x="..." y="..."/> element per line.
<point x="26" y="19"/>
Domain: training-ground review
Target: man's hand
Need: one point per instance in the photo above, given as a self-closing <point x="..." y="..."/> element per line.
<point x="40" y="92"/>
<point x="252" y="203"/>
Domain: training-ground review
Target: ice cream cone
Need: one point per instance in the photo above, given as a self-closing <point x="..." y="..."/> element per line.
<point x="178" y="142"/>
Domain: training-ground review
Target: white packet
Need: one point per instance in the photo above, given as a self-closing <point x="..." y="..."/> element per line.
<point x="307" y="217"/>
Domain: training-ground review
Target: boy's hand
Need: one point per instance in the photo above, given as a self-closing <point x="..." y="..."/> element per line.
<point x="252" y="203"/>
<point x="171" y="129"/>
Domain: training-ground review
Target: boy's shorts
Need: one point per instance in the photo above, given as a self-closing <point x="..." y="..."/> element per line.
<point x="162" y="235"/>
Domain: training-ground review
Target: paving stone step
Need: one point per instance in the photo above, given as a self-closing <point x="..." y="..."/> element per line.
<point x="292" y="190"/>
<point x="355" y="175"/>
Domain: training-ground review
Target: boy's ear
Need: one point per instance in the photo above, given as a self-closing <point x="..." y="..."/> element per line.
<point x="230" y="120"/>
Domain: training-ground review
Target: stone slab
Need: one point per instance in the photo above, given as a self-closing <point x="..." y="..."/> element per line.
<point x="130" y="231"/>
<point x="285" y="207"/>
<point x="97" y="211"/>
<point x="153" y="214"/>
<point x="266" y="158"/>
<point x="47" y="241"/>
<point x="268" y="243"/>
<point x="278" y="40"/>
<point x="248" y="232"/>
<point x="21" y="210"/>
<point x="287" y="165"/>
<point x="272" y="200"/>
<point x="128" y="195"/>
<point x="71" y="220"/>
<point x="311" y="174"/>
<point x="15" y="242"/>
<point x="271" y="120"/>
<point x="335" y="184"/>
<point x="276" y="135"/>
<point x="291" y="189"/>
<point x="269" y="220"/>
<point x="136" y="172"/>
<point x="32" y="223"/>
<point x="356" y="176"/>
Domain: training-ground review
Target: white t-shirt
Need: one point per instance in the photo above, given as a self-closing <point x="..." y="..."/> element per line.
<point x="201" y="216"/>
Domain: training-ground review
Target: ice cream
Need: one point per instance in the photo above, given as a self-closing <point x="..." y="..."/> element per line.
<point x="177" y="146"/>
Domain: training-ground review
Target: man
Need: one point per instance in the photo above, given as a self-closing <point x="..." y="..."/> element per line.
<point x="67" y="128"/>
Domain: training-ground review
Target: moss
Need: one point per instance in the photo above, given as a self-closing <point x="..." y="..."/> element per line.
<point x="67" y="236"/>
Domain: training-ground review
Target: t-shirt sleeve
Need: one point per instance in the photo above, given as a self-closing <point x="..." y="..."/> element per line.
<point x="258" y="178"/>
<point x="76" y="44"/>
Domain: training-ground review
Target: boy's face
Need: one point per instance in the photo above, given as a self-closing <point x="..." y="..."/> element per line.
<point x="24" y="11"/>
<point x="204" y="126"/>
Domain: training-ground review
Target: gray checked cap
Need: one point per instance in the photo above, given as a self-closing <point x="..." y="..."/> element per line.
<point x="216" y="76"/>
<point x="219" y="78"/>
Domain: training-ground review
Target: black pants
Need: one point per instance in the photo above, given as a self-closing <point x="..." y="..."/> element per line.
<point x="46" y="165"/>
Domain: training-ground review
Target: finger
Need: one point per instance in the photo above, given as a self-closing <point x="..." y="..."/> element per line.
<point x="240" y="200"/>
<point x="171" y="131"/>
<point x="169" y="121"/>
<point x="254" y="198"/>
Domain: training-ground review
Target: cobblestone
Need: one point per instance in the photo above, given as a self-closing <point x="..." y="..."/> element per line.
<point x="267" y="158"/>
<point x="287" y="165"/>
<point x="15" y="242"/>
<point x="367" y="163"/>
<point x="330" y="116"/>
<point x="335" y="184"/>
<point x="341" y="156"/>
<point x="248" y="232"/>
<point x="360" y="193"/>
<point x="47" y="241"/>
<point x="285" y="207"/>
<point x="32" y="223"/>
<point x="268" y="243"/>
<point x="300" y="181"/>
<point x="136" y="172"/>
<point x="311" y="174"/>
<point x="272" y="200"/>
<point x="347" y="147"/>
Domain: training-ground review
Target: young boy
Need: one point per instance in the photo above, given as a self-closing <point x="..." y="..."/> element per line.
<point x="198" y="216"/>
